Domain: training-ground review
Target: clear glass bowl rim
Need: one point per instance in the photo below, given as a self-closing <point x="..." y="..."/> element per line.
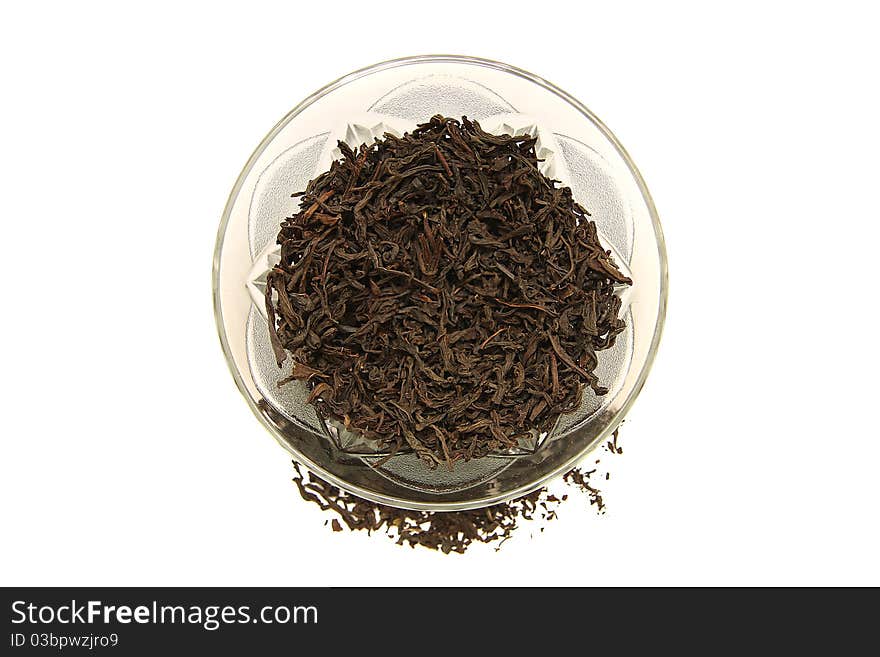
<point x="649" y="203"/>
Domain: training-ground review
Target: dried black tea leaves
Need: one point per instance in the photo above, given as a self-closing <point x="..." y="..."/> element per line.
<point x="581" y="479"/>
<point x="612" y="446"/>
<point x="452" y="531"/>
<point x="440" y="294"/>
<point x="447" y="532"/>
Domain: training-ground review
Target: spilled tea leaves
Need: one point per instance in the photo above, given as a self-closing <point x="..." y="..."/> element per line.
<point x="453" y="531"/>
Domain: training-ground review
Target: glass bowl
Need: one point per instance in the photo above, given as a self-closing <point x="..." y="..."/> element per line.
<point x="394" y="96"/>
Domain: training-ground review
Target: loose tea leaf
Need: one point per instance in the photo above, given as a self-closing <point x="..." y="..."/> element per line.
<point x="438" y="293"/>
<point x="612" y="445"/>
<point x="580" y="478"/>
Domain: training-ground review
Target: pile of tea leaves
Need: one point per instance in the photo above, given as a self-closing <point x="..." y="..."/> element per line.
<point x="440" y="294"/>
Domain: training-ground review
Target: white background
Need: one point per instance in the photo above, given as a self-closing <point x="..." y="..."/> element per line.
<point x="129" y="456"/>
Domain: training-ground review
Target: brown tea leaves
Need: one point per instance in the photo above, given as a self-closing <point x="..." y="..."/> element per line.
<point x="438" y="293"/>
